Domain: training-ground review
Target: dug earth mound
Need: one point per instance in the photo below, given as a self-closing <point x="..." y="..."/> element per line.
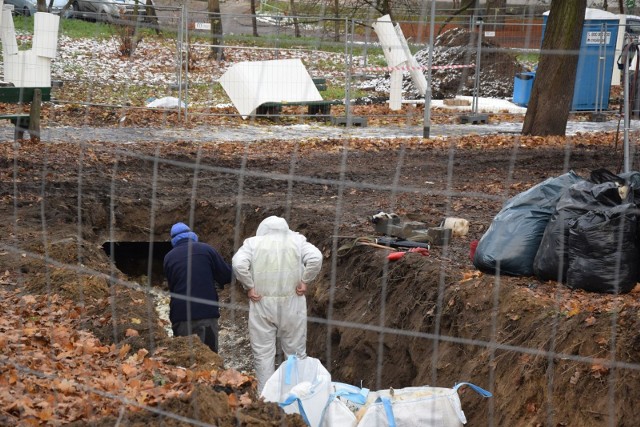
<point x="544" y="351"/>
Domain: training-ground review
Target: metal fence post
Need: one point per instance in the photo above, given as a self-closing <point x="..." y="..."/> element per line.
<point x="476" y="83"/>
<point x="426" y="127"/>
<point x="186" y="65"/>
<point x="626" y="112"/>
<point x="180" y="56"/>
<point x="348" y="47"/>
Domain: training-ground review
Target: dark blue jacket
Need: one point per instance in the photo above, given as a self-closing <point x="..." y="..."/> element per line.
<point x="208" y="268"/>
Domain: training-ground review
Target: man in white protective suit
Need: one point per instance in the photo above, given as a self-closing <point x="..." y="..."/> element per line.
<point x="275" y="267"/>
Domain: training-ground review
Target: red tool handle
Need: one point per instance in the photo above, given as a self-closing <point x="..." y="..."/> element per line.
<point x="394" y="256"/>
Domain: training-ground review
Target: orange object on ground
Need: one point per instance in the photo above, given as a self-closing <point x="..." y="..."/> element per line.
<point x="394" y="256"/>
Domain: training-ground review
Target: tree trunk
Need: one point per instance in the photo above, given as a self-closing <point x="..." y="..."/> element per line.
<point x="552" y="92"/>
<point x="254" y="20"/>
<point x="151" y="16"/>
<point x="41" y="6"/>
<point x="495" y="12"/>
<point x="336" y="13"/>
<point x="294" y="13"/>
<point x="384" y="7"/>
<point x="621" y="6"/>
<point x="217" y="51"/>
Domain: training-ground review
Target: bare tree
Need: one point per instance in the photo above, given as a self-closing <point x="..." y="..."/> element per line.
<point x="495" y="11"/>
<point x="384" y="7"/>
<point x="336" y="13"/>
<point x="467" y="6"/>
<point x="217" y="50"/>
<point x="254" y="20"/>
<point x="151" y="16"/>
<point x="552" y="92"/>
<point x="294" y="13"/>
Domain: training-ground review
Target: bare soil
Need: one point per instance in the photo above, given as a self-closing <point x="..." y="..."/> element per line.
<point x="550" y="356"/>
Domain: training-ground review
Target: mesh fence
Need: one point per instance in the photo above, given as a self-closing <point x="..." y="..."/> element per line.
<point x="157" y="117"/>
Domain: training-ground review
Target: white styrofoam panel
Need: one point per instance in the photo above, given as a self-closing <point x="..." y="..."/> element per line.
<point x="11" y="70"/>
<point x="391" y="44"/>
<point x="417" y="75"/>
<point x="26" y="69"/>
<point x="395" y="92"/>
<point x="8" y="34"/>
<point x="249" y="84"/>
<point x="45" y="34"/>
<point x="1" y="7"/>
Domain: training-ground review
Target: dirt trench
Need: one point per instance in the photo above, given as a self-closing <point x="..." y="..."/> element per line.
<point x="420" y="320"/>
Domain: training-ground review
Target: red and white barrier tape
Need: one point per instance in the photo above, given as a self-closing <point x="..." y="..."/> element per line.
<point x="423" y="67"/>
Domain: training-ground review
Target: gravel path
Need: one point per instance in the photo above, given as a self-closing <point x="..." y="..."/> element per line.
<point x="256" y="133"/>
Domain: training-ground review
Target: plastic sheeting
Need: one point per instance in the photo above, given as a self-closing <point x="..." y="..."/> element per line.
<point x="250" y="84"/>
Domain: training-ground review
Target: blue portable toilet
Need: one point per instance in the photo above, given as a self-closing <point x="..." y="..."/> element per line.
<point x="596" y="60"/>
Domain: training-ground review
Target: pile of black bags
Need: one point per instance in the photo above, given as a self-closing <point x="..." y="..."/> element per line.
<point x="580" y="232"/>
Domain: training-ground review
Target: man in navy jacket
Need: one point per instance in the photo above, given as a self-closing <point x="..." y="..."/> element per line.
<point x="193" y="270"/>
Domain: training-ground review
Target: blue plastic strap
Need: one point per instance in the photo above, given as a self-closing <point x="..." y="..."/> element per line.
<point x="358" y="398"/>
<point x="482" y="392"/>
<point x="386" y="403"/>
<point x="288" y="373"/>
<point x="293" y="398"/>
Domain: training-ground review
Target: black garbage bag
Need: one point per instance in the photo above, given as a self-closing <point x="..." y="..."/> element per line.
<point x="510" y="244"/>
<point x="633" y="180"/>
<point x="603" y="251"/>
<point x="600" y="176"/>
<point x="552" y="259"/>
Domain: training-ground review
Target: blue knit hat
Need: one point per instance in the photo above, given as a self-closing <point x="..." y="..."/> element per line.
<point x="180" y="231"/>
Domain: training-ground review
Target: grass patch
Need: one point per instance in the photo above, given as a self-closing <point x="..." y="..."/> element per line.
<point x="79" y="29"/>
<point x="528" y="58"/>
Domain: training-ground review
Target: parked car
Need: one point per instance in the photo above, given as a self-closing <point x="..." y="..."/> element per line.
<point x="106" y="10"/>
<point x="29" y="7"/>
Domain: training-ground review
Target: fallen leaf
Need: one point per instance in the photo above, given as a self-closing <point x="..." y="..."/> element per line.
<point x="245" y="399"/>
<point x="597" y="370"/>
<point x="231" y="377"/>
<point x="129" y="370"/>
<point x="233" y="401"/>
<point x="590" y="321"/>
<point x="575" y="310"/>
<point x="602" y="341"/>
<point x="28" y="299"/>
<point x="132" y="333"/>
<point x="124" y="350"/>
<point x="64" y="386"/>
<point x="469" y="275"/>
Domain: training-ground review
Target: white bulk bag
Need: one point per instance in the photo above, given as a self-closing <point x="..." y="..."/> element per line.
<point x="416" y="406"/>
<point x="344" y="402"/>
<point x="300" y="386"/>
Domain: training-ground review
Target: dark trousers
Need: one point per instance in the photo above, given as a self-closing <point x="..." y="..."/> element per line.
<point x="205" y="329"/>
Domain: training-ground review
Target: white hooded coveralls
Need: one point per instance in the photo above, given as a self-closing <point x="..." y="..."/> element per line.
<point x="273" y="263"/>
